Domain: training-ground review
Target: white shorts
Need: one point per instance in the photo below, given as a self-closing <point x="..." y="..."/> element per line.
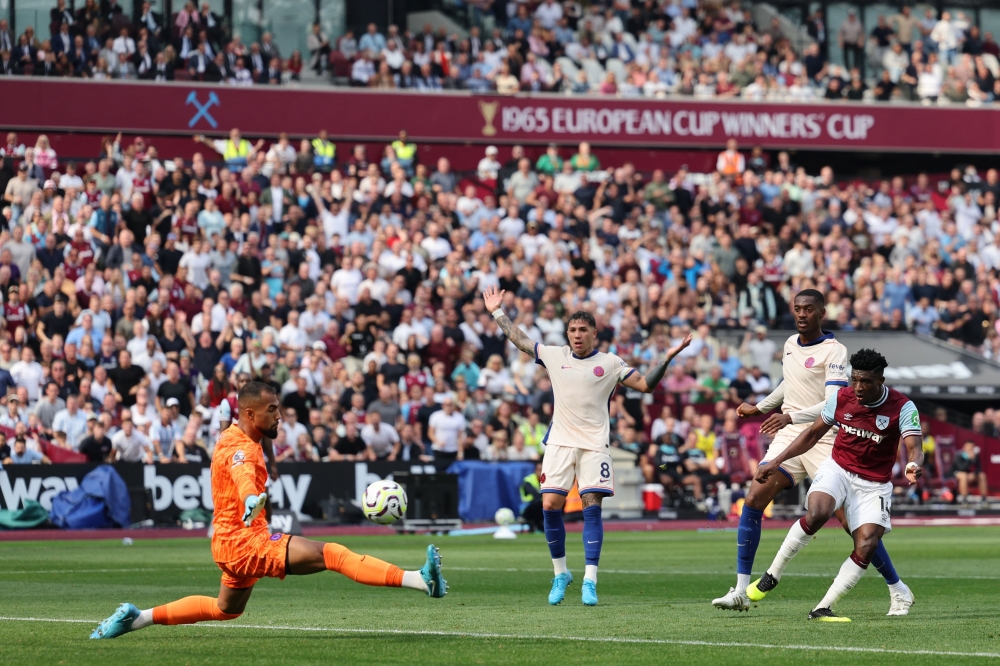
<point x="865" y="502"/>
<point x="808" y="463"/>
<point x="592" y="470"/>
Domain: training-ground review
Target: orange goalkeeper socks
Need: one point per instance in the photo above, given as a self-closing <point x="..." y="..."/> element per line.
<point x="190" y="610"/>
<point x="363" y="569"/>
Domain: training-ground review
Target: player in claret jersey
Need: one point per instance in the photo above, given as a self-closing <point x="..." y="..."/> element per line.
<point x="814" y="365"/>
<point x="872" y="419"/>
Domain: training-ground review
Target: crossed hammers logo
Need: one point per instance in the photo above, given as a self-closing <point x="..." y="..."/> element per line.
<point x="213" y="100"/>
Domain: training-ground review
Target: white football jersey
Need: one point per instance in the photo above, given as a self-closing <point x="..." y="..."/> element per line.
<point x="582" y="388"/>
<point x="809" y="369"/>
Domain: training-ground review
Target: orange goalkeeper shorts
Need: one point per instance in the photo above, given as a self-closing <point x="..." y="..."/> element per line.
<point x="247" y="560"/>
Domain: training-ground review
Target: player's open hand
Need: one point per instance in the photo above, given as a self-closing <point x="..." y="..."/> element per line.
<point x="493" y="297"/>
<point x="747" y="410"/>
<point x="914" y="472"/>
<point x="774" y="423"/>
<point x="684" y="344"/>
<point x="764" y="471"/>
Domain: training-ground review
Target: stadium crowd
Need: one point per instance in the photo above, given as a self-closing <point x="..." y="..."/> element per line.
<point x="705" y="49"/>
<point x="138" y="292"/>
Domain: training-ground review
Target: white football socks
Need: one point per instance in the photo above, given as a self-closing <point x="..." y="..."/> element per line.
<point x="559" y="564"/>
<point x="590" y="573"/>
<point x="414" y="580"/>
<point x="850" y="574"/>
<point x="795" y="541"/>
<point x="742" y="582"/>
<point x="144" y="620"/>
<point x="898" y="587"/>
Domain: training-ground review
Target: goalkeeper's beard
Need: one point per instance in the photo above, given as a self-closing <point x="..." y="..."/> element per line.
<point x="272" y="433"/>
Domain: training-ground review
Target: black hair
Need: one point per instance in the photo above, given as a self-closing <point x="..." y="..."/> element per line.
<point x="813" y="294"/>
<point x="585" y="317"/>
<point x="251" y="393"/>
<point x="868" y="360"/>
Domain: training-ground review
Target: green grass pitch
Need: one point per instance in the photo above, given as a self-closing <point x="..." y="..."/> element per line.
<point x="655" y="591"/>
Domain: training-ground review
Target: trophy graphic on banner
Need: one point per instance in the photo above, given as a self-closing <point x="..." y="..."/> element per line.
<point x="489" y="111"/>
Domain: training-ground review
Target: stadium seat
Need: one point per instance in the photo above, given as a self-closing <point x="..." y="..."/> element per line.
<point x="544" y="68"/>
<point x="944" y="456"/>
<point x="737" y="463"/>
<point x="617" y="67"/>
<point x="569" y="68"/>
<point x="594" y="71"/>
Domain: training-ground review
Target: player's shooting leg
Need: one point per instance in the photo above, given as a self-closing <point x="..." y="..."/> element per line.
<point x="866" y="540"/>
<point x="309" y="557"/>
<point x="748" y="534"/>
<point x="880" y="558"/>
<point x="820" y="509"/>
<point x="555" y="529"/>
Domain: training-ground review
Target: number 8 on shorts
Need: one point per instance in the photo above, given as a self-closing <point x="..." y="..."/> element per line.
<point x="592" y="470"/>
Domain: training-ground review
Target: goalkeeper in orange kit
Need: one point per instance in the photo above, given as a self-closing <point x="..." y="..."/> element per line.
<point x="241" y="545"/>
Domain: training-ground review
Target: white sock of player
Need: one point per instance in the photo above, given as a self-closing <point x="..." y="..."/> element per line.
<point x="850" y="573"/>
<point x="144" y="620"/>
<point x="590" y="572"/>
<point x="742" y="582"/>
<point x="898" y="588"/>
<point x="414" y="581"/>
<point x="559" y="565"/>
<point x="796" y="539"/>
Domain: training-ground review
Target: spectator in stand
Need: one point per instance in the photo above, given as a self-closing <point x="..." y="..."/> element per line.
<point x="967" y="470"/>
<point x="851" y="38"/>
<point x="319" y="49"/>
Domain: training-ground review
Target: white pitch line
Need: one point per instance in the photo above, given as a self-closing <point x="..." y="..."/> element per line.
<point x="637" y="572"/>
<point x="642" y="572"/>
<point x="536" y="637"/>
<point x="76" y="571"/>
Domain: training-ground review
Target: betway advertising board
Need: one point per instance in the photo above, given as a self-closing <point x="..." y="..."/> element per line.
<point x="173" y="488"/>
<point x="189" y="108"/>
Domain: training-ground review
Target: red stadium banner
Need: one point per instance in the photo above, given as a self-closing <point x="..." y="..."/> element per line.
<point x="184" y="108"/>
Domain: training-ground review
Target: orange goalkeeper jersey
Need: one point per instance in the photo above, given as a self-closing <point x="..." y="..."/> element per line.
<point x="238" y="470"/>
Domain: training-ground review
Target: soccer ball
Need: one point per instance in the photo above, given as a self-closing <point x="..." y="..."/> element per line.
<point x="504" y="516"/>
<point x="384" y="502"/>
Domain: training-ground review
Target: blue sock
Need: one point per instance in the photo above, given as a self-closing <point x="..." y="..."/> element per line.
<point x="747" y="539"/>
<point x="881" y="561"/>
<point x="555" y="533"/>
<point x="593" y="534"/>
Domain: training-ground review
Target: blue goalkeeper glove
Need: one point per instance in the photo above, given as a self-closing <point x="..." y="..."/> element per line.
<point x="253" y="505"/>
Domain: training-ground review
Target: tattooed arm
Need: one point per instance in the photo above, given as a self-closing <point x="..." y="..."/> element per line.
<point x="493" y="297"/>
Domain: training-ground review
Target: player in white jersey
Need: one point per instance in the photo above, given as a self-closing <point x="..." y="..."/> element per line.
<point x="814" y="366"/>
<point x="578" y="441"/>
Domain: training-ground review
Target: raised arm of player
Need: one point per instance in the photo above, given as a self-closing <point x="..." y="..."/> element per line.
<point x="805" y="441"/>
<point x="647" y="383"/>
<point x="493" y="298"/>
